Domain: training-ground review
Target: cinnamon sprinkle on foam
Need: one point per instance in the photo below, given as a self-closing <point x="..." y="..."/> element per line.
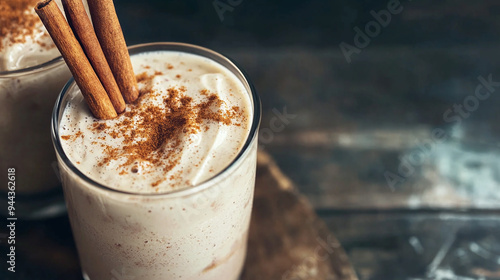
<point x="16" y="20"/>
<point x="152" y="134"/>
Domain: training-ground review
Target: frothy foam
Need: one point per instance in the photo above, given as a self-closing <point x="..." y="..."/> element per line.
<point x="191" y="121"/>
<point x="24" y="41"/>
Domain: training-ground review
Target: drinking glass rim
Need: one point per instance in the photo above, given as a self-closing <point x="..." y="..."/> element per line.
<point x="181" y="47"/>
<point x="33" y="69"/>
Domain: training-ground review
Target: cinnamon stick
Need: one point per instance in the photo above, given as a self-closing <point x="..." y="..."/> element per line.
<point x="87" y="80"/>
<point x="82" y="27"/>
<point x="110" y="35"/>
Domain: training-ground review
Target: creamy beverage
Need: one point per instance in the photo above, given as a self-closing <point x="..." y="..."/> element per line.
<point x="31" y="75"/>
<point x="165" y="190"/>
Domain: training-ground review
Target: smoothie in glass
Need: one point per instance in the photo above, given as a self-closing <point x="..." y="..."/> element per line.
<point x="165" y="190"/>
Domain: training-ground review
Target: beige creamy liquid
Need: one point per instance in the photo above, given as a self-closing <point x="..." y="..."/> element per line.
<point x="195" y="236"/>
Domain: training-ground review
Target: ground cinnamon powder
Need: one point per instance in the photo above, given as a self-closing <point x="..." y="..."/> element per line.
<point x="17" y="21"/>
<point x="152" y="133"/>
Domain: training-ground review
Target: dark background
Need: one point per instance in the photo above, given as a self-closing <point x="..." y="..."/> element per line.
<point x="353" y="123"/>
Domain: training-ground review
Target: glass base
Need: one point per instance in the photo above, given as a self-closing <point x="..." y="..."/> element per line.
<point x="86" y="277"/>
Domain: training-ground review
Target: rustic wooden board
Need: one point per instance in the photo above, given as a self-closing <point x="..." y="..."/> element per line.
<point x="287" y="240"/>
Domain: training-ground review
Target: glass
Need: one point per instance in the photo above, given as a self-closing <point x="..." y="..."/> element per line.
<point x="194" y="233"/>
<point x="26" y="100"/>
